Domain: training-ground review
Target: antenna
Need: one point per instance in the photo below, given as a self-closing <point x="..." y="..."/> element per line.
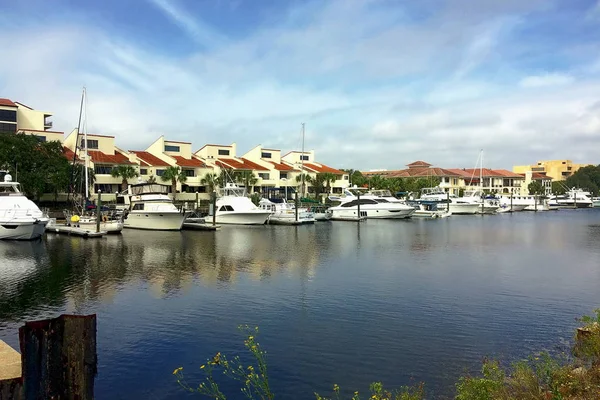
<point x="302" y="159"/>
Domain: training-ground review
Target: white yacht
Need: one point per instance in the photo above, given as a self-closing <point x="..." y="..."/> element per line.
<point x="487" y="205"/>
<point x="370" y="207"/>
<point x="20" y="218"/>
<point x="234" y="207"/>
<point x="574" y="198"/>
<point x="522" y="203"/>
<point x="284" y="213"/>
<point x="450" y="202"/>
<point x="595" y="201"/>
<point x="151" y="208"/>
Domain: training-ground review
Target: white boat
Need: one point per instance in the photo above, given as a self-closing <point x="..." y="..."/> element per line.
<point x="595" y="201"/>
<point x="151" y="208"/>
<point x="516" y="203"/>
<point x="284" y="213"/>
<point x="88" y="222"/>
<point x="20" y="218"/>
<point x="574" y="198"/>
<point x="320" y="212"/>
<point x="370" y="207"/>
<point x="450" y="202"/>
<point x="428" y="209"/>
<point x="486" y="205"/>
<point x="234" y="207"/>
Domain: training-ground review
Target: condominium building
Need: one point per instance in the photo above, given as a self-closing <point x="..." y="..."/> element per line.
<point x="558" y="170"/>
<point x="305" y="161"/>
<point x="16" y="117"/>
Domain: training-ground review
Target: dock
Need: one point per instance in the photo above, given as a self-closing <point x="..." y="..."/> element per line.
<point x="200" y="226"/>
<point x="10" y="370"/>
<point x="73" y="231"/>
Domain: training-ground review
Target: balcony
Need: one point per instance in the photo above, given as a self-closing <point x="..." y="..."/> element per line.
<point x="47" y="123"/>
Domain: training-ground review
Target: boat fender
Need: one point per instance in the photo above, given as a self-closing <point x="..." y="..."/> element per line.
<point x="104" y="218"/>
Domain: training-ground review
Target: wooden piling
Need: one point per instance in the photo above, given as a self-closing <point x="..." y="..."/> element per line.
<point x="358" y="205"/>
<point x="214" y="204"/>
<point x="511" y="202"/>
<point x="296" y="204"/>
<point x="98" y="211"/>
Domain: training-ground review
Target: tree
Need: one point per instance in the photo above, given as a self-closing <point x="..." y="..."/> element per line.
<point x="318" y="184"/>
<point x="307" y="179"/>
<point x="211" y="181"/>
<point x="377" y="182"/>
<point x="174" y="174"/>
<point x="536" y="188"/>
<point x="328" y="179"/>
<point x="587" y="178"/>
<point x="245" y="177"/>
<point x="125" y="172"/>
<point x="558" y="188"/>
<point x="151" y="179"/>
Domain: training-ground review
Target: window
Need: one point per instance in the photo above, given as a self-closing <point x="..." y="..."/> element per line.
<point x="8" y="116"/>
<point x="8" y="128"/>
<point x="283" y="175"/>
<point x="103" y="169"/>
<point x="138" y="206"/>
<point x="226" y="208"/>
<point x="346" y="177"/>
<point x="41" y="138"/>
<point x="304" y="158"/>
<point x="223" y="152"/>
<point x="189" y="172"/>
<point x="264" y="176"/>
<point x="160" y="172"/>
<point x="265" y="155"/>
<point x="143" y="171"/>
<point x="171" y="148"/>
<point x="91" y="144"/>
<point x="104" y="188"/>
<point x="354" y="203"/>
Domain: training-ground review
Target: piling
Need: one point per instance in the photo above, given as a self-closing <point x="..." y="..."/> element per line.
<point x="448" y="201"/>
<point x="296" y="205"/>
<point x="197" y="205"/>
<point x="214" y="204"/>
<point x="358" y="205"/>
<point x="535" y="201"/>
<point x="511" y="201"/>
<point x="98" y="210"/>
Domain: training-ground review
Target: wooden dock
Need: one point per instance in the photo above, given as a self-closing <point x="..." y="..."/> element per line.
<point x="199" y="226"/>
<point x="10" y="371"/>
<point x="73" y="231"/>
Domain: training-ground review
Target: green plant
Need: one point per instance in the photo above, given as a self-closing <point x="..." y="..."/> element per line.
<point x="211" y="181"/>
<point x="174" y="174"/>
<point x="126" y="172"/>
<point x="247" y="178"/>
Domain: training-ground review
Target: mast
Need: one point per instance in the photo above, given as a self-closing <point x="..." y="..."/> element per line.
<point x="302" y="160"/>
<point x="87" y="184"/>
<point x="481" y="172"/>
<point x="72" y="185"/>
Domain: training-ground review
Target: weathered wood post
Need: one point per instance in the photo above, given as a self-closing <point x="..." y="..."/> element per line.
<point x="98" y="208"/>
<point x="358" y="205"/>
<point x="296" y="204"/>
<point x="511" y="201"/>
<point x="535" y="199"/>
<point x="214" y="206"/>
<point x="59" y="359"/>
<point x="196" y="208"/>
<point x="448" y="201"/>
<point x="575" y="205"/>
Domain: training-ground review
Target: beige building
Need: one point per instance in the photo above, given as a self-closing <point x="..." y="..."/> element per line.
<point x="17" y="117"/>
<point x="558" y="170"/>
<point x="278" y="174"/>
<point x="305" y="161"/>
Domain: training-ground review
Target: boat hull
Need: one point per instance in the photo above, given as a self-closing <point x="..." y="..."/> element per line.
<point x="241" y="218"/>
<point x="160" y="221"/>
<point x="352" y="212"/>
<point x="463" y="208"/>
<point x="23" y="230"/>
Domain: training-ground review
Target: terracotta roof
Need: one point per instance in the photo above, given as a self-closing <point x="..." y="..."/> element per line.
<point x="69" y="153"/>
<point x="507" y="174"/>
<point x="536" y="176"/>
<point x="149" y="159"/>
<point x="415" y="172"/>
<point x="103" y="158"/>
<point x="322" y="168"/>
<point x="7" y="103"/>
<point x="189" y="162"/>
<point x="282" y="167"/>
<point x="418" y="164"/>
<point x="239" y="163"/>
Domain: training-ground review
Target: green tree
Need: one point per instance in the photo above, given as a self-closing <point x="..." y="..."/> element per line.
<point x="536" y="188"/>
<point x="587" y="178"/>
<point x="328" y="179"/>
<point x="307" y="180"/>
<point x="125" y="172"/>
<point x="211" y="181"/>
<point x="151" y="179"/>
<point x="377" y="182"/>
<point x="558" y="188"/>
<point x="77" y="174"/>
<point x="174" y="175"/>
<point x="319" y="184"/>
<point x="247" y="178"/>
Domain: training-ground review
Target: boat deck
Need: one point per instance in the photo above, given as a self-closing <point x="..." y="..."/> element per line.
<point x="73" y="231"/>
<point x="199" y="226"/>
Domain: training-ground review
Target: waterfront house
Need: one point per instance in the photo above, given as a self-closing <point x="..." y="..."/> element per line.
<point x="558" y="170"/>
<point x="499" y="181"/>
<point x="306" y="161"/>
<point x="16" y="116"/>
<point x="278" y="175"/>
<point x="529" y="177"/>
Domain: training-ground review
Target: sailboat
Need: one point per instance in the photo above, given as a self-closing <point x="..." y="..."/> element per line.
<point x="487" y="204"/>
<point x="78" y="216"/>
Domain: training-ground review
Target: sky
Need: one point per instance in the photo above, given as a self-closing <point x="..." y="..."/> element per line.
<point x="378" y="83"/>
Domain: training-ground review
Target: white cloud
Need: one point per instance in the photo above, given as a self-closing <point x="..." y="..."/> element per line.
<point x="548" y="79"/>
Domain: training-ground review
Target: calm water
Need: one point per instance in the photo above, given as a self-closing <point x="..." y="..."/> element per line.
<point x="336" y="302"/>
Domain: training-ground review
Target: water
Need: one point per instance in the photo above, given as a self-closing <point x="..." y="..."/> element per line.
<point x="345" y="303"/>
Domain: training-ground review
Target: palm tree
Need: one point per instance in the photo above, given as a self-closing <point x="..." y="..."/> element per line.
<point x="212" y="181"/>
<point x="247" y="178"/>
<point x="328" y="178"/>
<point x="126" y="172"/>
<point x="319" y="184"/>
<point x="173" y="174"/>
<point x="307" y="179"/>
<point x="151" y="179"/>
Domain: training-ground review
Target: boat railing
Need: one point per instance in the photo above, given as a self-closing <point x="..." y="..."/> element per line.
<point x="16" y="213"/>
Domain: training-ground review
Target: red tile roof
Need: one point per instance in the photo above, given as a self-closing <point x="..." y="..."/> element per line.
<point x="69" y="153"/>
<point x="536" y="176"/>
<point x="103" y="158"/>
<point x="415" y="172"/>
<point x="7" y="103"/>
<point x="189" y="162"/>
<point x="418" y="164"/>
<point x="239" y="163"/>
<point x="149" y="159"/>
<point x="282" y="167"/>
<point x="322" y="168"/>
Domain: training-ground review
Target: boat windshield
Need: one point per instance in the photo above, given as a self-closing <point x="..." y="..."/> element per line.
<point x="149" y="188"/>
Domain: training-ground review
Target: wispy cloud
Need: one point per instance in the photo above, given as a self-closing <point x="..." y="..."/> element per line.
<point x="547" y="79"/>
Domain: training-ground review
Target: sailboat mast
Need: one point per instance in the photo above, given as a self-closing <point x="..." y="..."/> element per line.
<point x="302" y="159"/>
<point x="72" y="184"/>
<point x="481" y="171"/>
<point x="87" y="178"/>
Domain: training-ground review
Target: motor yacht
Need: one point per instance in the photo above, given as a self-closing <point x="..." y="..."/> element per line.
<point x="521" y="203"/>
<point x="450" y="202"/>
<point x="284" y="213"/>
<point x="595" y="201"/>
<point x="370" y="207"/>
<point x="574" y="198"/>
<point x="428" y="209"/>
<point x="151" y="208"/>
<point x="234" y="207"/>
<point x="20" y="218"/>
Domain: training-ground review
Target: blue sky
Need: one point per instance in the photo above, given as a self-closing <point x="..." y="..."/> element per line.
<point x="379" y="83"/>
